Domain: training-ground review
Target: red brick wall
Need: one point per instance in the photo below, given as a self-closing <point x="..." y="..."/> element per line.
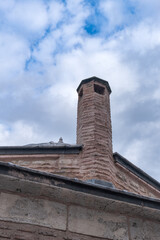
<point x="125" y="180"/>
<point x="94" y="131"/>
<point x="60" y="164"/>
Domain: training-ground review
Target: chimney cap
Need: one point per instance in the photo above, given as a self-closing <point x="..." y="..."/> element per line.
<point x="95" y="79"/>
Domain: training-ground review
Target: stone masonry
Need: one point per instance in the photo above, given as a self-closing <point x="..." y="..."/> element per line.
<point x="41" y="206"/>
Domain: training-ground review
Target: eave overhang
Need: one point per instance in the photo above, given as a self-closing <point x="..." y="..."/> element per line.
<point x="27" y="174"/>
<point x="23" y="150"/>
<point x="136" y="171"/>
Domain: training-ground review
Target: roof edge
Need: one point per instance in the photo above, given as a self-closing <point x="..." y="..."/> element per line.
<point x="12" y="170"/>
<point x="94" y="78"/>
<point x="27" y="149"/>
<point x="137" y="171"/>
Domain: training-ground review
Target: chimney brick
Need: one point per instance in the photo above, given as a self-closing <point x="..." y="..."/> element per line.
<point x="94" y="129"/>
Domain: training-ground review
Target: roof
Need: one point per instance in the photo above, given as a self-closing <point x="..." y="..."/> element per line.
<point x="12" y="170"/>
<point x="42" y="148"/>
<point x="137" y="171"/>
<point x="96" y="79"/>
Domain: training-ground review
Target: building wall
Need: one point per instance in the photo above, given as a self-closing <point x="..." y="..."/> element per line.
<point x="121" y="229"/>
<point x="70" y="165"/>
<point x="34" y="210"/>
<point x="125" y="180"/>
<point x="60" y="164"/>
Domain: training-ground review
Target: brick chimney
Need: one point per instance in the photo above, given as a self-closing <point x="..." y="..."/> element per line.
<point x="94" y="129"/>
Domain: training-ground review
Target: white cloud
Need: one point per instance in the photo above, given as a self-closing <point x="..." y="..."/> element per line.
<point x="134" y="151"/>
<point x="13" y="54"/>
<point x="114" y="12"/>
<point x="141" y="151"/>
<point x="6" y="5"/>
<point x="55" y="12"/>
<point x="141" y="38"/>
<point x="19" y="133"/>
<point x="147" y="9"/>
<point x="30" y="16"/>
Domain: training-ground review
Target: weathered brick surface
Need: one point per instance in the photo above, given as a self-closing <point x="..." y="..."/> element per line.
<point x="95" y="132"/>
<point x="61" y="164"/>
<point x="125" y="180"/>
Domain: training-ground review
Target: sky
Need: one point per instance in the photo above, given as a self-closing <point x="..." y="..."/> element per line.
<point x="48" y="46"/>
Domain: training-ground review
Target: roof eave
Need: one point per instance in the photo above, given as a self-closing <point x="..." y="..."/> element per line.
<point x="22" y="150"/>
<point x="135" y="170"/>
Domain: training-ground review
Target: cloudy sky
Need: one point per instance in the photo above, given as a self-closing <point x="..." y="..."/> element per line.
<point x="48" y="46"/>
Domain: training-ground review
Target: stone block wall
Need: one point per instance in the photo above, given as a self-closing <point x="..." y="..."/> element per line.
<point x="109" y="227"/>
<point x="42" y="211"/>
